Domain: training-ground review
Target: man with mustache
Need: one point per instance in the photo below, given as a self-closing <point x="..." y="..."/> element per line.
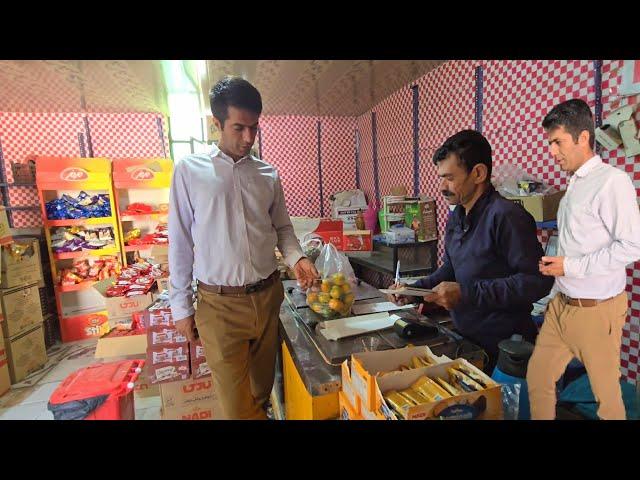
<point x="489" y="278"/>
<point x="227" y="214"/>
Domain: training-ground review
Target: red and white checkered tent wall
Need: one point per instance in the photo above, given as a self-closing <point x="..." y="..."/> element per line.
<point x="290" y="143"/>
<point x="64" y="134"/>
<point x="128" y="135"/>
<point x="517" y="96"/>
<point x="367" y="182"/>
<point x="394" y="132"/>
<point x="447" y="105"/>
<point x="23" y="134"/>
<point x="337" y="152"/>
<point x="611" y="100"/>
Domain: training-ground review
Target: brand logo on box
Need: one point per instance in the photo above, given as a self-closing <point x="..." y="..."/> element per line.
<point x="194" y="387"/>
<point x="95" y="320"/>
<point x="129" y="304"/>
<point x="74" y="174"/>
<point x="142" y="173"/>
<point x="198" y="415"/>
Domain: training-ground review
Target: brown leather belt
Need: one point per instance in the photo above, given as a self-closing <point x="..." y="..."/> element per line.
<point x="245" y="289"/>
<point x="583" y="302"/>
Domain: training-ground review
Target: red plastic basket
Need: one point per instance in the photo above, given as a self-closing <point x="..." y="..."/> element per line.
<point x="116" y="379"/>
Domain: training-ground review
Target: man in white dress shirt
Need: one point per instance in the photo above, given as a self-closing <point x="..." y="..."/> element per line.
<point x="599" y="235"/>
<point x="227" y="214"/>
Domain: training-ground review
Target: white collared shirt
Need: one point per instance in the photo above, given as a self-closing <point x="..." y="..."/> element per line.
<point x="599" y="231"/>
<point x="225" y="220"/>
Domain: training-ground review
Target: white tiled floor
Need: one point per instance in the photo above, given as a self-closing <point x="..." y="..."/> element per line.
<point x="28" y="400"/>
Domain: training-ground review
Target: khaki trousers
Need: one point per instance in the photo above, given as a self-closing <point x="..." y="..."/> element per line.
<point x="591" y="334"/>
<point x="239" y="334"/>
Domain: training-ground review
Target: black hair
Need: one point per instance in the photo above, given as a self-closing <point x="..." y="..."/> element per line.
<point x="234" y="92"/>
<point x="575" y="116"/>
<point x="471" y="149"/>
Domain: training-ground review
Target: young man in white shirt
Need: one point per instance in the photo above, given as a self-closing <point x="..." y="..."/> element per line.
<point x="599" y="235"/>
<point x="227" y="214"/>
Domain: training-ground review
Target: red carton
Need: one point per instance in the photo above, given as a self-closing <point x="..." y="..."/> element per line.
<point x="158" y="317"/>
<point x="199" y="366"/>
<point x="331" y="231"/>
<point x="168" y="372"/>
<point x="168" y="363"/>
<point x="357" y="241"/>
<point x="161" y="336"/>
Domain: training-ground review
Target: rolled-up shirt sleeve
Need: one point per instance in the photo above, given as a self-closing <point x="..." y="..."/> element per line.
<point x="287" y="242"/>
<point x="181" y="255"/>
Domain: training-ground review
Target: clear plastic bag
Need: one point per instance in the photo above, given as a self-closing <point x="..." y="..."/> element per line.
<point x="511" y="400"/>
<point x="511" y="180"/>
<point x="312" y="246"/>
<point x="332" y="295"/>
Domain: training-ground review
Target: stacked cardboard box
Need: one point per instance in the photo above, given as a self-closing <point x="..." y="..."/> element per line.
<point x="22" y="325"/>
<point x="167" y="350"/>
<point x="5" y="379"/>
<point x="192" y="399"/>
<point x="24" y="269"/>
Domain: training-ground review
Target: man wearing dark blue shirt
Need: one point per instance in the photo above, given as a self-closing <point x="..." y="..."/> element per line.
<point x="489" y="278"/>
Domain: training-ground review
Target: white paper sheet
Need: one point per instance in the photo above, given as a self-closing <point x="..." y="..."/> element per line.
<point x="348" y="327"/>
<point x="407" y="291"/>
<point x="364" y="308"/>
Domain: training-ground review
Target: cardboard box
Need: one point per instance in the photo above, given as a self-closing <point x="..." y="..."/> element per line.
<point x="115" y="321"/>
<point x="83" y="327"/>
<point x="169" y="372"/>
<point x="199" y="366"/>
<point x="541" y="207"/>
<point x="187" y="392"/>
<point x="143" y="386"/>
<point x="357" y="241"/>
<point x="118" y="307"/>
<point x="122" y="346"/>
<point x="159" y="336"/>
<point x="365" y="366"/>
<point x="26" y="353"/>
<point x="169" y="362"/>
<point x="159" y="254"/>
<point x="157" y="317"/>
<point x="329" y="230"/>
<point x="347" y="388"/>
<point x="347" y="411"/>
<point x="21" y="309"/>
<point x="482" y="405"/>
<point x="5" y="230"/>
<point x="367" y="414"/>
<point x="428" y="226"/>
<point x="203" y="410"/>
<point x="348" y="215"/>
<point x="25" y="270"/>
<point x="5" y="378"/>
<point x="163" y="284"/>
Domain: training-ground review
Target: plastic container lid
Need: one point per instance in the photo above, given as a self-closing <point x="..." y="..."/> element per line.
<point x="97" y="379"/>
<point x="514" y="356"/>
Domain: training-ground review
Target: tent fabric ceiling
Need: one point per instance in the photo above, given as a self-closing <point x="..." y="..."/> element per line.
<point x="321" y="87"/>
<point x="82" y="85"/>
<point x="288" y="87"/>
